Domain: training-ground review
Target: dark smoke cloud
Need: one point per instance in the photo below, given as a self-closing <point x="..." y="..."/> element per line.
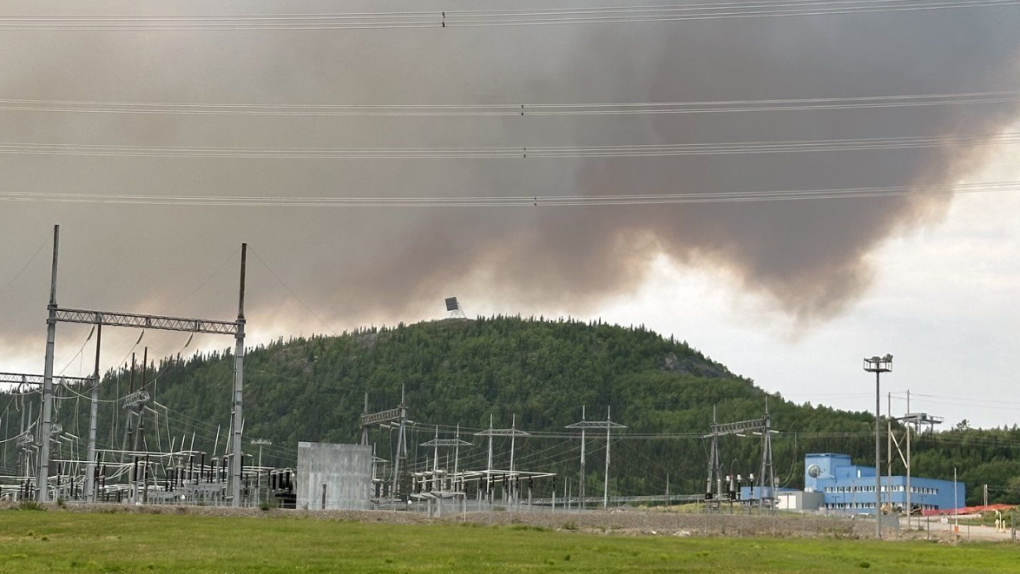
<point x="809" y="257"/>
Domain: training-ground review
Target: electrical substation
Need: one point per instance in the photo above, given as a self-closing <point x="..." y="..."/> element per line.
<point x="433" y="467"/>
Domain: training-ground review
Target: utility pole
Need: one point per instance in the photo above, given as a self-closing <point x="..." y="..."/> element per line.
<point x="513" y="438"/>
<point x="456" y="452"/>
<point x="43" y="474"/>
<point x="607" y="424"/>
<point x="511" y="432"/>
<point x="878" y="460"/>
<point x="768" y="470"/>
<point x="888" y="451"/>
<point x="128" y="442"/>
<point x="437" y="483"/>
<point x="90" y="464"/>
<point x="910" y="464"/>
<point x="139" y="409"/>
<point x="956" y="506"/>
<point x="260" y="442"/>
<point x="912" y="423"/>
<point x="609" y="430"/>
<point x="713" y="463"/>
<point x="235" y="461"/>
<point x="878" y="365"/>
<point x="401" y="443"/>
<point x="364" y="427"/>
<point x="580" y="486"/>
<point x="488" y="464"/>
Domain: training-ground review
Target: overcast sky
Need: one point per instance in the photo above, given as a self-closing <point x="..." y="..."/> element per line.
<point x="791" y="294"/>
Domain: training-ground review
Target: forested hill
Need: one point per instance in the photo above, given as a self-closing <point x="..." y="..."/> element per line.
<point x="459" y="372"/>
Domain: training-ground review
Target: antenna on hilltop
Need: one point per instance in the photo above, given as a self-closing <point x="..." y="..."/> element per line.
<point x="453" y="306"/>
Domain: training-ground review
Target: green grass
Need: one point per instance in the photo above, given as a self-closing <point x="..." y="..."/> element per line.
<point x="59" y="541"/>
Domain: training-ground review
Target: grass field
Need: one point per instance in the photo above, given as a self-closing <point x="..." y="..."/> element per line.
<point x="59" y="541"/>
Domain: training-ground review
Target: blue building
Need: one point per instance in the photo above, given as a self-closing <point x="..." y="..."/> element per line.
<point x="850" y="488"/>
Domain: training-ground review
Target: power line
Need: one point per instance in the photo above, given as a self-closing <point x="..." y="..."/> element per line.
<point x="527" y="152"/>
<point x="293" y="294"/>
<point x="509" y="109"/>
<point x="27" y="263"/>
<point x="486" y="18"/>
<point x="513" y="201"/>
<point x="204" y="283"/>
<point x="998" y="402"/>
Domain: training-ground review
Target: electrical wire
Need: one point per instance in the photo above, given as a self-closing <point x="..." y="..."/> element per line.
<point x="291" y="291"/>
<point x="486" y="18"/>
<point x="204" y="283"/>
<point x="509" y="110"/>
<point x="527" y="152"/>
<point x="513" y="201"/>
<point x="27" y="263"/>
<point x="903" y="395"/>
<point x="81" y="350"/>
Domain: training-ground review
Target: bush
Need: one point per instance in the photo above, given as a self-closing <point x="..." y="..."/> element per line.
<point x="30" y="505"/>
<point x="569" y="525"/>
<point x="528" y="527"/>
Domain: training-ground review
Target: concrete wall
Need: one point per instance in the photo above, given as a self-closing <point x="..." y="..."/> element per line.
<point x="344" y="469"/>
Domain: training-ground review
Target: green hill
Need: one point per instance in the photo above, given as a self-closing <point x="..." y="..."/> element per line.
<point x="461" y="372"/>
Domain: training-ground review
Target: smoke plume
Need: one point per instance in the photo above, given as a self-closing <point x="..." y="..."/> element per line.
<point x="810" y="258"/>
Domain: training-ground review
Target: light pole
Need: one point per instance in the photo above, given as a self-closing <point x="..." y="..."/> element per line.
<point x="956" y="508"/>
<point x="878" y="365"/>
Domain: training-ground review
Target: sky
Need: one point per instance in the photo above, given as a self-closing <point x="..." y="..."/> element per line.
<point x="792" y="294"/>
<point x="943" y="303"/>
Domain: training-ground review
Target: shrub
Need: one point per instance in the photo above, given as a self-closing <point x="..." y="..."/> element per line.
<point x="30" y="505"/>
<point x="527" y="527"/>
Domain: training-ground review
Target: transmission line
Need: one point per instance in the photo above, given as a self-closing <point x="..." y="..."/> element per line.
<point x="27" y="263"/>
<point x="485" y="18"/>
<point x="539" y="152"/>
<point x="513" y="201"/>
<point x="510" y="109"/>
